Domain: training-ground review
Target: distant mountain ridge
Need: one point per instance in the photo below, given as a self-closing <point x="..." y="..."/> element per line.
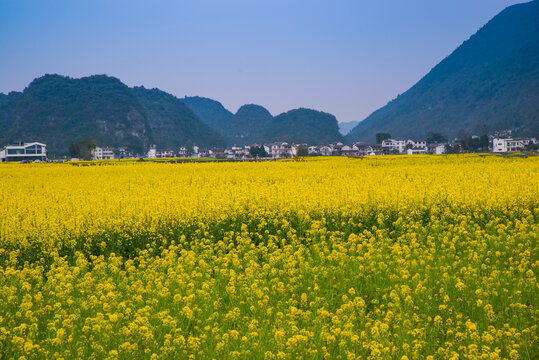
<point x="346" y="127"/>
<point x="173" y="123"/>
<point x="8" y="104"/>
<point x="210" y="111"/>
<point x="304" y="125"/>
<point x="59" y="110"/>
<point x="248" y="125"/>
<point x="254" y="124"/>
<point x="490" y="82"/>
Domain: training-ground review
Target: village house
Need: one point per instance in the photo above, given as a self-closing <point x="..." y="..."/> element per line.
<point x="510" y="145"/>
<point x="436" y="149"/>
<point x="350" y="150"/>
<point x="419" y="144"/>
<point x="394" y="145"/>
<point x="416" y="150"/>
<point x="164" y="153"/>
<point x="326" y="151"/>
<point x="24" y="152"/>
<point x="279" y="150"/>
<point x="124" y="153"/>
<point x="152" y="153"/>
<point x="217" y="152"/>
<point x="103" y="153"/>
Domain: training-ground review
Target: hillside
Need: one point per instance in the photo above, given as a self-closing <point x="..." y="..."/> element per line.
<point x="211" y="112"/>
<point x="8" y="104"/>
<point x="248" y="125"/>
<point x="58" y="110"/>
<point x="490" y="82"/>
<point x="173" y="123"/>
<point x="304" y="125"/>
<point x="346" y="127"/>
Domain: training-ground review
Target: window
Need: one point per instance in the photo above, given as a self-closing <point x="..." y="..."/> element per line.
<point x="15" y="151"/>
<point x="31" y="150"/>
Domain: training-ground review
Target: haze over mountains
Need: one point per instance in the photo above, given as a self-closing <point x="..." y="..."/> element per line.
<point x="346" y="127"/>
<point x="491" y="82"/>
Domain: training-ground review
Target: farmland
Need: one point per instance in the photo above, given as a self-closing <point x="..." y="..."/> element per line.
<point x="422" y="257"/>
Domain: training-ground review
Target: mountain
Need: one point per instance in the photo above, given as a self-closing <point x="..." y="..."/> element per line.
<point x="173" y="123"/>
<point x="248" y="125"/>
<point x="345" y="127"/>
<point x="304" y="125"/>
<point x="58" y="110"/>
<point x="8" y="104"/>
<point x="211" y="112"/>
<point x="490" y="82"/>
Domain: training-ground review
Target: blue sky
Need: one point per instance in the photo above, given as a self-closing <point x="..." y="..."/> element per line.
<point x="343" y="57"/>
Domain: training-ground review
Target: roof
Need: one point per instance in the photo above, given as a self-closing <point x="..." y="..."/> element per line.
<point x="23" y="145"/>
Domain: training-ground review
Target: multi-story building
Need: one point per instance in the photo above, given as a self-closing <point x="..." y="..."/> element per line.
<point x="418" y="144"/>
<point x="164" y="153"/>
<point x="103" y="153"/>
<point x="510" y="145"/>
<point x="280" y="150"/>
<point x="391" y="145"/>
<point x="416" y="150"/>
<point x="24" y="151"/>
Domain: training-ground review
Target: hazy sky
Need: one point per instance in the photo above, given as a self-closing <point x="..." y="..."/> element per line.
<point x="344" y="57"/>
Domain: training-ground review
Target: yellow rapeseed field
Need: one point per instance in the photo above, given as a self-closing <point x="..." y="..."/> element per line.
<point x="393" y="257"/>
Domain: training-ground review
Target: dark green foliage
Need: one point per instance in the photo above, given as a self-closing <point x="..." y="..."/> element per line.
<point x="474" y="144"/>
<point x="189" y="148"/>
<point x="452" y="149"/>
<point x="304" y="125"/>
<point x="258" y="152"/>
<point x="254" y="124"/>
<point x="8" y="104"/>
<point x="248" y="125"/>
<point x="59" y="110"/>
<point x="82" y="149"/>
<point x="436" y="138"/>
<point x="211" y="112"/>
<point x="489" y="83"/>
<point x="303" y="151"/>
<point x="173" y="123"/>
<point x="381" y="137"/>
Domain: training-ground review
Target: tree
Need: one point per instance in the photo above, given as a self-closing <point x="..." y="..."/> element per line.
<point x="474" y="143"/>
<point x="381" y="136"/>
<point x="258" y="151"/>
<point x="87" y="146"/>
<point x="74" y="150"/>
<point x="82" y="149"/>
<point x="455" y="149"/>
<point x="253" y="151"/>
<point x="436" y="138"/>
<point x="303" y="151"/>
<point x="188" y="148"/>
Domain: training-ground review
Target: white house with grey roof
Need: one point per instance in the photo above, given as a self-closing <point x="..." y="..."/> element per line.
<point x="24" y="151"/>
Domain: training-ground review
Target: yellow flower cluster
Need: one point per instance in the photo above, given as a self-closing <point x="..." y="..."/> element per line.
<point x="378" y="258"/>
